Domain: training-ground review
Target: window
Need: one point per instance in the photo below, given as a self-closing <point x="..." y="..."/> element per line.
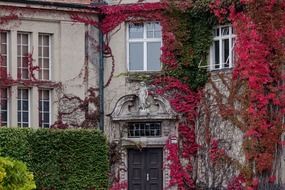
<point x="23" y="107"/>
<point x="44" y="108"/>
<point x="144" y="129"/>
<point x="221" y="54"/>
<point x="3" y="54"/>
<point x="23" y="49"/>
<point x="44" y="56"/>
<point x="144" y="43"/>
<point x="3" y="107"/>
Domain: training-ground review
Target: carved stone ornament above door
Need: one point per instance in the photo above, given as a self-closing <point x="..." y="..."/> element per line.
<point x="142" y="106"/>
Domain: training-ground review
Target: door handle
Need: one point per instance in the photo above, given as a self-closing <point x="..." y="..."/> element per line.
<point x="147" y="176"/>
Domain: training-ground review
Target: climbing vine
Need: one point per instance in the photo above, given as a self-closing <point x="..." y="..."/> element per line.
<point x="255" y="104"/>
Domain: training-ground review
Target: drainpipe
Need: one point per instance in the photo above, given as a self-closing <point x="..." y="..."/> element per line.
<point x="101" y="80"/>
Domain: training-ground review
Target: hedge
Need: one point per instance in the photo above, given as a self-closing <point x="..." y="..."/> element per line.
<point x="60" y="159"/>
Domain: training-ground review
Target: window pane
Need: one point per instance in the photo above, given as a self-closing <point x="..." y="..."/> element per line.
<point x="46" y="63"/>
<point x="153" y="56"/>
<point x="19" y="117"/>
<point x="3" y="49"/>
<point x="46" y="75"/>
<point x="24" y="38"/>
<point x="3" y="104"/>
<point x="136" y="30"/>
<point x="3" y="37"/>
<point x="46" y="106"/>
<point x="226" y="52"/>
<point x="225" y="31"/>
<point x="153" y="30"/>
<point x="45" y="94"/>
<point x="25" y="117"/>
<point x="45" y="40"/>
<point x="40" y="51"/>
<point x="25" y="93"/>
<point x="217" y="54"/>
<point x="136" y="56"/>
<point x="46" y="51"/>
<point x="3" y="116"/>
<point x="25" y="105"/>
<point x="46" y="118"/>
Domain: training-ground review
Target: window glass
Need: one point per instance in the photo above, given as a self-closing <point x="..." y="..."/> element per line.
<point x="153" y="56"/>
<point x="222" y="54"/>
<point x="226" y="53"/>
<point x="3" y="106"/>
<point x="145" y="129"/>
<point x="144" y="46"/>
<point x="23" y="48"/>
<point x="136" y="60"/>
<point x="217" y="54"/>
<point x="44" y="108"/>
<point x="136" y="30"/>
<point x="44" y="56"/>
<point x="23" y="107"/>
<point x="3" y="54"/>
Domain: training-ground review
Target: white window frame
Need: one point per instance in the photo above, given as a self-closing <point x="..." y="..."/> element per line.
<point x="29" y="51"/>
<point x="143" y="40"/>
<point x="8" y="107"/>
<point x="50" y="56"/>
<point x="50" y="108"/>
<point x="21" y="111"/>
<point x="231" y="37"/>
<point x="7" y="53"/>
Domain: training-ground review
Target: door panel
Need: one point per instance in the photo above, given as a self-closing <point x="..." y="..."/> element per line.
<point x="136" y="171"/>
<point x="145" y="169"/>
<point x="154" y="169"/>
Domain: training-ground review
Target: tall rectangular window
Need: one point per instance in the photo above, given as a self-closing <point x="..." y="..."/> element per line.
<point x="23" y="107"/>
<point x="222" y="54"/>
<point x="44" y="56"/>
<point x="3" y="107"/>
<point x="144" y="43"/>
<point x="44" y="108"/>
<point x="23" y="49"/>
<point x="3" y="54"/>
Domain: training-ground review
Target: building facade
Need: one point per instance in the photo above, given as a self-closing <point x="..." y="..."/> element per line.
<point x="40" y="43"/>
<point x="49" y="76"/>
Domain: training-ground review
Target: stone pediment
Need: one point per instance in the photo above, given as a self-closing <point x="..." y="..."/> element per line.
<point x="152" y="107"/>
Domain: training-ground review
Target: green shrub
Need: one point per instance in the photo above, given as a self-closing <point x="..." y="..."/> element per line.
<point x="15" y="175"/>
<point x="60" y="159"/>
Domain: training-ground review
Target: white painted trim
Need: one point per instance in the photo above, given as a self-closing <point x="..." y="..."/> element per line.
<point x="143" y="40"/>
<point x="220" y="39"/>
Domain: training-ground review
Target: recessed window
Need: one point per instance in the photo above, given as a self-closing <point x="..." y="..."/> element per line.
<point x="3" y="107"/>
<point x="23" y="107"/>
<point x="144" y="129"/>
<point x="3" y="54"/>
<point x="44" y="56"/>
<point x="221" y="53"/>
<point x="44" y="108"/>
<point x="23" y="50"/>
<point x="144" y="43"/>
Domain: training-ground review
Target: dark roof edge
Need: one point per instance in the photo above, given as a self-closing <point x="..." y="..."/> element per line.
<point x="56" y="4"/>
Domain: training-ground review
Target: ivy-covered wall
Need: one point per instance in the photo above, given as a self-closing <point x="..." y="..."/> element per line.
<point x="60" y="159"/>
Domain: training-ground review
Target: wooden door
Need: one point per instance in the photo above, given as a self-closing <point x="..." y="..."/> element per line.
<point x="145" y="169"/>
